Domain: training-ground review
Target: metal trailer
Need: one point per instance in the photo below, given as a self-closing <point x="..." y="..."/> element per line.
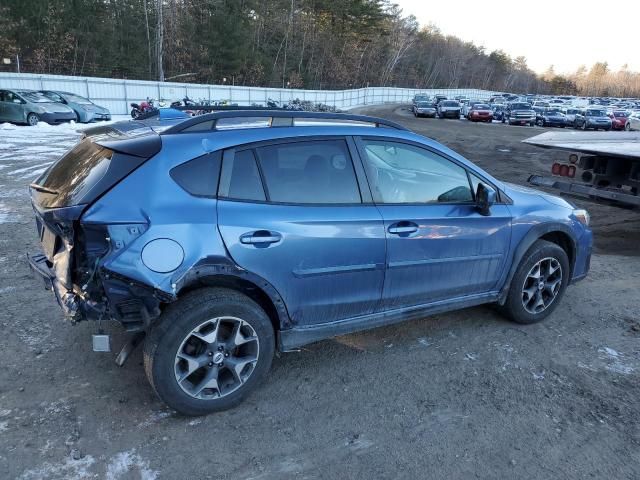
<point x="602" y="165"/>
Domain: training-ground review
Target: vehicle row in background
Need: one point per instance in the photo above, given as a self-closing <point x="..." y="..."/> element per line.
<point x="32" y="106"/>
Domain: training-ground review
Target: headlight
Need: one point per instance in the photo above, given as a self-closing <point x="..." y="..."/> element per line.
<point x="582" y="216"/>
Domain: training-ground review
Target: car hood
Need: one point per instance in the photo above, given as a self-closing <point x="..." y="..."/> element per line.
<point x="54" y="107"/>
<point x="518" y="191"/>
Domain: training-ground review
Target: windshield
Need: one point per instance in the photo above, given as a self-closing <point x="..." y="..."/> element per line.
<point x="35" y="97"/>
<point x="572" y="111"/>
<point x="596" y="113"/>
<point x="554" y="112"/>
<point x="425" y="104"/>
<point x="481" y="106"/>
<point x="619" y="114"/>
<point x="76" y="99"/>
<point x="520" y="106"/>
<point x="450" y="104"/>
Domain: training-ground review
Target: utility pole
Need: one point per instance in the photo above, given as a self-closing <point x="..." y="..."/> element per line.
<point x="160" y="42"/>
<point x="18" y="62"/>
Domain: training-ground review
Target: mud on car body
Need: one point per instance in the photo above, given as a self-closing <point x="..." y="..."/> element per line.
<point x="227" y="236"/>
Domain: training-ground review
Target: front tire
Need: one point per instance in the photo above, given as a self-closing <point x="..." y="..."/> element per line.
<point x="33" y="119"/>
<point x="538" y="284"/>
<point x="208" y="351"/>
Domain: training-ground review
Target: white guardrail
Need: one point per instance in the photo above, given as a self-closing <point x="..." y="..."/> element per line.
<point x="117" y="94"/>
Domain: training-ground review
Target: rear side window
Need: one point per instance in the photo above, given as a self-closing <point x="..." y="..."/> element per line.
<point x="74" y="175"/>
<point x="199" y="176"/>
<point x="241" y="178"/>
<point x="312" y="172"/>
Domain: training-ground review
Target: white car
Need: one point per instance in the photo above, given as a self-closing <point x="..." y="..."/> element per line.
<point x="633" y="121"/>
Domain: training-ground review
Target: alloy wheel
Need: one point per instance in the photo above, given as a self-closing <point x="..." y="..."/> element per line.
<point x="216" y="358"/>
<point x="542" y="285"/>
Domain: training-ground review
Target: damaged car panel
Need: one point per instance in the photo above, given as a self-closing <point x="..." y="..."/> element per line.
<point x="223" y="245"/>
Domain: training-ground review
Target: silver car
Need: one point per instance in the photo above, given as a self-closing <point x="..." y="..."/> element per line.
<point x="86" y="110"/>
<point x="30" y="107"/>
<point x="633" y="121"/>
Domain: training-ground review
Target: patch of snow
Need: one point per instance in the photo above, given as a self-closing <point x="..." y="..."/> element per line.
<point x="614" y="360"/>
<point x="4" y="426"/>
<point x="424" y="342"/>
<point x="6" y="290"/>
<point x="70" y="469"/>
<point x="195" y="422"/>
<point x="125" y="462"/>
<point x="155" y="417"/>
<point x="470" y="356"/>
<point x="538" y="376"/>
<point x="505" y="150"/>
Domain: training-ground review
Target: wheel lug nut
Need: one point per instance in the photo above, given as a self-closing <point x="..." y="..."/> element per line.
<point x="211" y="364"/>
<point x="220" y="348"/>
<point x="226" y="354"/>
<point x="210" y="354"/>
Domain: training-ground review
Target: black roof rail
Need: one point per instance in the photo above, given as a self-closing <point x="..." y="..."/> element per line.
<point x="277" y="118"/>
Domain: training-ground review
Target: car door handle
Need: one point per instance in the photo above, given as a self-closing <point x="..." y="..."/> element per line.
<point x="260" y="237"/>
<point x="403" y="228"/>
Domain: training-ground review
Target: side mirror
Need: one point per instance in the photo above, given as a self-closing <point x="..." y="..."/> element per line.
<point x="485" y="198"/>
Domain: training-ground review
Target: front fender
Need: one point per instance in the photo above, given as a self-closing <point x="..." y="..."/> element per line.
<point x="535" y="233"/>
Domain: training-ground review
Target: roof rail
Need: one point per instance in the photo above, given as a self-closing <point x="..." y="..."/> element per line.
<point x="275" y="118"/>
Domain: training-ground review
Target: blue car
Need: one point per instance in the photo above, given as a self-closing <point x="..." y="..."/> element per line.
<point x="225" y="237"/>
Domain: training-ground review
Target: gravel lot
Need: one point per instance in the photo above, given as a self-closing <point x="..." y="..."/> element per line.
<point x="461" y="395"/>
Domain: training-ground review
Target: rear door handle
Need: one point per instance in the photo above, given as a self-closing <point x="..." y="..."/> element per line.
<point x="261" y="237"/>
<point x="403" y="228"/>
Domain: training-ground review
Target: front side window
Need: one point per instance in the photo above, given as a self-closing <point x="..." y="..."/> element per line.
<point x="402" y="173"/>
<point x="309" y="172"/>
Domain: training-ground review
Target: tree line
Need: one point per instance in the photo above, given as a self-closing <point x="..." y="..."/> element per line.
<point x="315" y="44"/>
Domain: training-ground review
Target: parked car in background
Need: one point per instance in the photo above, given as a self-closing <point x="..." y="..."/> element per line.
<point x="419" y="98"/>
<point x="633" y="122"/>
<point x="592" y="118"/>
<point x="449" y="109"/>
<point x="439" y="98"/>
<point x="272" y="238"/>
<point x="30" y="107"/>
<point x="86" y="111"/>
<point x="551" y="117"/>
<point x="481" y="112"/>
<point x="519" y="113"/>
<point x="618" y="119"/>
<point x="425" y="109"/>
<point x="498" y="111"/>
<point x="466" y="108"/>
<point x="570" y="115"/>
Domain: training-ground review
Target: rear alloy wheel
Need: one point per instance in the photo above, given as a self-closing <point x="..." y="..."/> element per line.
<point x="538" y="284"/>
<point x="584" y="126"/>
<point x="627" y="127"/>
<point x="208" y="351"/>
<point x="33" y="119"/>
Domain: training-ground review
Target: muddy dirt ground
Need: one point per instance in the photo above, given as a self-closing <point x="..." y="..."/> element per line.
<point x="456" y="396"/>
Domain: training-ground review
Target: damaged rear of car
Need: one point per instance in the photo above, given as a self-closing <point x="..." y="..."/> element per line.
<point x="75" y="251"/>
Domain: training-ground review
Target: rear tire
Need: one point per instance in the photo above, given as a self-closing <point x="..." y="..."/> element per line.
<point x="538" y="284"/>
<point x="33" y="119"/>
<point x="199" y="357"/>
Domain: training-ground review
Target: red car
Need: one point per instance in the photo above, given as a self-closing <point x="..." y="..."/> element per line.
<point x="618" y="119"/>
<point x="481" y="113"/>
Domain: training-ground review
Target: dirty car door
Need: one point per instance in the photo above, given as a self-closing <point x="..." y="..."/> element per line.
<point x="438" y="246"/>
<point x="306" y="231"/>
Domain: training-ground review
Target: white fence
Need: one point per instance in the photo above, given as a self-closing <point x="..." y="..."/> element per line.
<point x="117" y="94"/>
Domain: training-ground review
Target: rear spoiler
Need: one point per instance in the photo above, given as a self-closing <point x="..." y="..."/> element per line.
<point x="128" y="137"/>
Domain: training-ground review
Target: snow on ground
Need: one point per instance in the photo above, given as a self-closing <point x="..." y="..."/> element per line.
<point x="26" y="152"/>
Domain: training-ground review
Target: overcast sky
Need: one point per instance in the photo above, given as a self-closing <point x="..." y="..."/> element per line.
<point x="563" y="33"/>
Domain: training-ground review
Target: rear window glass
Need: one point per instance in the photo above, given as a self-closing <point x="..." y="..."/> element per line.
<point x="314" y="172"/>
<point x="72" y="177"/>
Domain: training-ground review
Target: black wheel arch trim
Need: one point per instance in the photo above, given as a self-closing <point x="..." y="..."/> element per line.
<point x="535" y="234"/>
<point x="222" y="271"/>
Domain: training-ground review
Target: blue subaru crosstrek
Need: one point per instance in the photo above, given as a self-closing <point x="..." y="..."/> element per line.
<point x="225" y="237"/>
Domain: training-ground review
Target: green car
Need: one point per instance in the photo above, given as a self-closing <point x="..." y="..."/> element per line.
<point x="86" y="111"/>
<point x="31" y="107"/>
